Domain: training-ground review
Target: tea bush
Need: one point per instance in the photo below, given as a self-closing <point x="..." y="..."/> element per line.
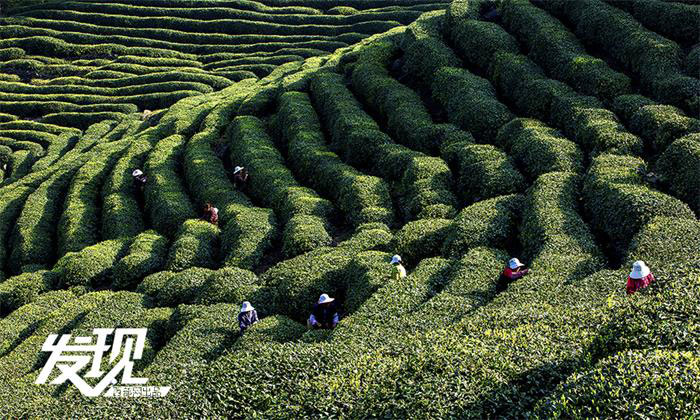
<point x="619" y="203"/>
<point x="679" y="164"/>
<point x="490" y="223"/>
<point x="146" y="254"/>
<point x="166" y="199"/>
<point x="196" y="245"/>
<point x="421" y="239"/>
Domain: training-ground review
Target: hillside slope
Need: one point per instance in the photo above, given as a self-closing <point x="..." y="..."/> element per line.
<point x="562" y="133"/>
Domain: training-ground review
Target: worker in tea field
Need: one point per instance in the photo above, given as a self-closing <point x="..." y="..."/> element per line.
<point x="139" y="179"/>
<point x="399" y="270"/>
<point x="240" y="177"/>
<point x="211" y="214"/>
<point x="639" y="278"/>
<point x="247" y="317"/>
<point x="513" y="271"/>
<point x="324" y="313"/>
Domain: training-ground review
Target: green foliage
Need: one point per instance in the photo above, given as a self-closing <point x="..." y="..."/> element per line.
<point x="121" y="216"/>
<point x="145" y="255"/>
<point x="304" y="233"/>
<point x="421" y="239"/>
<point x="484" y="170"/>
<point x="470" y="102"/>
<point x="618" y="202"/>
<point x="362" y="198"/>
<point x="296" y="283"/>
<point x="425" y="53"/>
<point x="478" y="41"/>
<point x="654" y="59"/>
<point x="673" y="20"/>
<point x="552" y="232"/>
<point x="489" y="222"/>
<point x="400" y="107"/>
<point x="593" y="127"/>
<point x="38" y="221"/>
<point x="166" y="198"/>
<point x="79" y="223"/>
<point x="274" y="185"/>
<point x="200" y="286"/>
<point x="23" y="289"/>
<point x="679" y="166"/>
<point x="660" y="125"/>
<point x="560" y="53"/>
<point x="196" y="245"/>
<point x="26" y="318"/>
<point x="653" y="382"/>
<point x="539" y="149"/>
<point x="91" y="266"/>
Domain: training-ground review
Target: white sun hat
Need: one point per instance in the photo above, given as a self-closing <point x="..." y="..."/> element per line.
<point x="639" y="270"/>
<point x="324" y="298"/>
<point x="396" y="259"/>
<point x="137" y="172"/>
<point x="514" y="263"/>
<point x="237" y="169"/>
<point x="246" y="307"/>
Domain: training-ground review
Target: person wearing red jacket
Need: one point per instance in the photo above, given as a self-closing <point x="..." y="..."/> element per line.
<point x="639" y="278"/>
<point x="513" y="271"/>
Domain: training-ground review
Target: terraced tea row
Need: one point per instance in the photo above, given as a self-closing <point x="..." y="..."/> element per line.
<point x="474" y="134"/>
<point x="77" y="63"/>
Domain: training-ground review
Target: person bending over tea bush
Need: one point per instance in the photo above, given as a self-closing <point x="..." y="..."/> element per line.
<point x="211" y="214"/>
<point x="247" y="317"/>
<point x="324" y="313"/>
<point x="639" y="278"/>
<point x="139" y="179"/>
<point x="399" y="270"/>
<point x="240" y="177"/>
<point x="513" y="271"/>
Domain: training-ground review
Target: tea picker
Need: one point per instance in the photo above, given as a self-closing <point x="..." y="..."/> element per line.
<point x="324" y="313"/>
<point x="399" y="270"/>
<point x="639" y="278"/>
<point x="247" y="316"/>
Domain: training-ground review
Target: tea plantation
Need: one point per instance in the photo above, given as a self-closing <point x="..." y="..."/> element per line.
<point x="456" y="133"/>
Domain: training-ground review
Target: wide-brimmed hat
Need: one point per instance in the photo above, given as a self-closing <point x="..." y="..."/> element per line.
<point x="246" y="307"/>
<point x="639" y="270"/>
<point x="324" y="298"/>
<point x="237" y="169"/>
<point x="514" y="263"/>
<point x="137" y="172"/>
<point x="396" y="259"/>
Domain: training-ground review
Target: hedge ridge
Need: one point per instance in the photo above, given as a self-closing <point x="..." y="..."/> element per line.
<point x="654" y="59"/>
<point x="559" y="52"/>
<point x="538" y="148"/>
<point x="618" y="201"/>
<point x="274" y="185"/>
<point x="196" y="245"/>
<point x="146" y="255"/>
<point x="424" y="182"/>
<point x="362" y="198"/>
<point x="78" y="226"/>
<point x="679" y="165"/>
<point x="166" y="198"/>
<point x="554" y="236"/>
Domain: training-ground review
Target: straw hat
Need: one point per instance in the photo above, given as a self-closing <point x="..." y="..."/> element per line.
<point x="639" y="270"/>
<point x="396" y="259"/>
<point x="237" y="169"/>
<point x="514" y="263"/>
<point x="247" y="307"/>
<point x="324" y="298"/>
<point x="137" y="172"/>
